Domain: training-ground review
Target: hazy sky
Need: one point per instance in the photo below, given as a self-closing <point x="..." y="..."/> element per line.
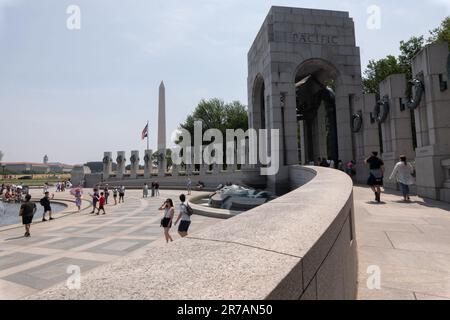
<point x="74" y="94"/>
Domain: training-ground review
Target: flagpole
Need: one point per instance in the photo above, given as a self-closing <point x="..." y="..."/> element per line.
<point x="147" y="135"/>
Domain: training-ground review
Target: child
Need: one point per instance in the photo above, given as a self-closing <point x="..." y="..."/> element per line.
<point x="101" y="203"/>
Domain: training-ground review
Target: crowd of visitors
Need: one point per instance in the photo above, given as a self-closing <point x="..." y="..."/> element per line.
<point x="13" y="193"/>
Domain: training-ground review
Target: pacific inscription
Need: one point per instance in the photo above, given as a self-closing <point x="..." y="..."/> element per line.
<point x="315" y="38"/>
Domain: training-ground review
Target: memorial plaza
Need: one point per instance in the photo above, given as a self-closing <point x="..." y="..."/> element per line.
<point x="306" y="226"/>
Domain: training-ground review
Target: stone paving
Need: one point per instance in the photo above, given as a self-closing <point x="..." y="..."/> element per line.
<point x="409" y="242"/>
<point x="28" y="265"/>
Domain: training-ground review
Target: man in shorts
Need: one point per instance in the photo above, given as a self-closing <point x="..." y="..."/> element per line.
<point x="27" y="211"/>
<point x="45" y="202"/>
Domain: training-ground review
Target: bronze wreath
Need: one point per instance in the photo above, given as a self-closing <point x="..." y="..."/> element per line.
<point x="382" y="109"/>
<point x="356" y="122"/>
<point x="417" y="91"/>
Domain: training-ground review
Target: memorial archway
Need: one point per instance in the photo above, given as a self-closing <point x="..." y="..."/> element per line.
<point x="315" y="86"/>
<point x="259" y="103"/>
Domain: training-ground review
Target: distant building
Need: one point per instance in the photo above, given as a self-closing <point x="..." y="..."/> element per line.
<point x="33" y="167"/>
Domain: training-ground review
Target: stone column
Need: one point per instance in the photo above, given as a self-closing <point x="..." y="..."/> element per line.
<point x="433" y="122"/>
<point x="134" y="160"/>
<point x="107" y="165"/>
<point x="396" y="129"/>
<point x="148" y="164"/>
<point x="121" y="160"/>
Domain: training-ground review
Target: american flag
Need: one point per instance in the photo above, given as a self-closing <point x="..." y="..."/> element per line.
<point x="145" y="132"/>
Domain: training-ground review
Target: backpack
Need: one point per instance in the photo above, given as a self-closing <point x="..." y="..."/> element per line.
<point x="189" y="210"/>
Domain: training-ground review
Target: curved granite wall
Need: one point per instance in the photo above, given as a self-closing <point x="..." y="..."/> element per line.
<point x="299" y="246"/>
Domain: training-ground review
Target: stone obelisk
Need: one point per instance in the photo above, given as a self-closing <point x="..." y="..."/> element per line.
<point x="162" y="130"/>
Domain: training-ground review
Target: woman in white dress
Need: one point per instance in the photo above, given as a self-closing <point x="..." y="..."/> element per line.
<point x="404" y="172"/>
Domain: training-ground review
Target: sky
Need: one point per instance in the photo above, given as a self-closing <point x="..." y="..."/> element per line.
<point x="73" y="94"/>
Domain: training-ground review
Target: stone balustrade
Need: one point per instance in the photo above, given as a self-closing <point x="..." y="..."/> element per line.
<point x="299" y="246"/>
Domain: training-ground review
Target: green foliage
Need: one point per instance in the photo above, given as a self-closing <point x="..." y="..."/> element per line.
<point x="441" y="33"/>
<point x="216" y="114"/>
<point x="378" y="70"/>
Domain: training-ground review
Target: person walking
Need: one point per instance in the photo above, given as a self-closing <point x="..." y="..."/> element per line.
<point x="77" y="193"/>
<point x="27" y="211"/>
<point x="45" y="202"/>
<point x="101" y="203"/>
<point x="153" y="189"/>
<point x="404" y="172"/>
<point x="156" y="189"/>
<point x="184" y="216"/>
<point x="375" y="180"/>
<point x="115" y="195"/>
<point x="166" y="221"/>
<point x="189" y="186"/>
<point x="121" y="194"/>
<point x="95" y="198"/>
<point x="145" y="191"/>
<point x="106" y="192"/>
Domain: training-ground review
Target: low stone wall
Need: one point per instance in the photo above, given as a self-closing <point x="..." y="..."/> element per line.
<point x="299" y="246"/>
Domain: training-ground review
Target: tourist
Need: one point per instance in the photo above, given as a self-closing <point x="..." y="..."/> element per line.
<point x="145" y="191"/>
<point x="101" y="203"/>
<point x="349" y="168"/>
<point x="27" y="211"/>
<point x="156" y="189"/>
<point x="324" y="163"/>
<point x="45" y="187"/>
<point x="166" y="221"/>
<point x="404" y="172"/>
<point x="330" y="163"/>
<point x="78" y="194"/>
<point x="106" y="192"/>
<point x="121" y="194"/>
<point x="115" y="195"/>
<point x="95" y="199"/>
<point x="153" y="189"/>
<point x="375" y="180"/>
<point x="340" y="165"/>
<point x="189" y="186"/>
<point x="45" y="202"/>
<point x="185" y="216"/>
<point x="200" y="185"/>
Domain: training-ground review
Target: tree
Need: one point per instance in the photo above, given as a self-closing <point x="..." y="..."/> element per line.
<point x="216" y="114"/>
<point x="441" y="33"/>
<point x="408" y="50"/>
<point x="377" y="71"/>
<point x="1" y="155"/>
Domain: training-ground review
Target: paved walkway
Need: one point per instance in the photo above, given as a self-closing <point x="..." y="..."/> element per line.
<point x="28" y="265"/>
<point x="409" y="242"/>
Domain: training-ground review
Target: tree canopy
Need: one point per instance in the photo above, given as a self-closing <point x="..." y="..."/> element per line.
<point x="216" y="114"/>
<point x="378" y="70"/>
